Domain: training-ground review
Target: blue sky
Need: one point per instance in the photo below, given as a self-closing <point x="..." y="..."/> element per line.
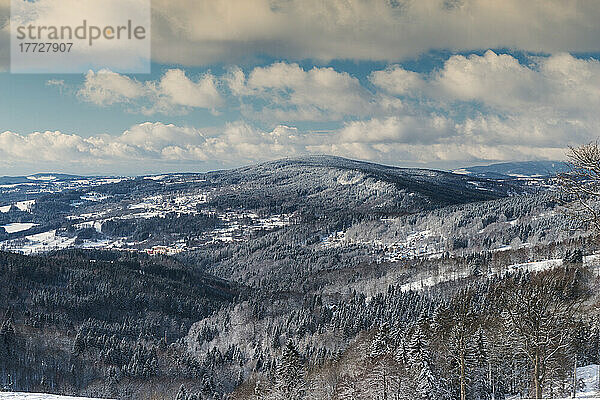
<point x="437" y="84"/>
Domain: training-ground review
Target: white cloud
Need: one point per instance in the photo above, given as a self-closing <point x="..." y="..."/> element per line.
<point x="203" y="32"/>
<point x="106" y="87"/>
<point x="173" y="93"/>
<point x="498" y="80"/>
<point x="405" y="130"/>
<point x="396" y="80"/>
<point x="291" y="93"/>
<point x="426" y="141"/>
<point x="180" y="90"/>
<point x="148" y="146"/>
<point x="559" y="84"/>
<point x="473" y="109"/>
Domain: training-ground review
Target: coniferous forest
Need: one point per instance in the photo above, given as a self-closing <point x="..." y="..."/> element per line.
<point x="338" y="280"/>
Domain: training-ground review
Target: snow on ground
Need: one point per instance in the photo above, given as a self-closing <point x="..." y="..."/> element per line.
<point x="588" y="375"/>
<point x="588" y="378"/>
<point x="537" y="265"/>
<point x="478" y="185"/>
<point x="156" y="177"/>
<point x="18" y="227"/>
<point x="41" y="242"/>
<point x="427" y="281"/>
<point x="21" y="205"/>
<point x="24" y="205"/>
<point x="592" y="260"/>
<point x="42" y="178"/>
<point x="430" y="281"/>
<point x="96" y="224"/>
<point x="36" y="396"/>
<point x="461" y="171"/>
<point x="94" y="196"/>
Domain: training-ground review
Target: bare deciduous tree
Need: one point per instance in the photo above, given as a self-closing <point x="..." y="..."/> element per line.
<point x="539" y="314"/>
<point x="581" y="183"/>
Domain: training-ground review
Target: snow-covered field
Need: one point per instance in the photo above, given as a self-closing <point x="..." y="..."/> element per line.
<point x="18" y="227"/>
<point x="36" y="396"/>
<point x="38" y="243"/>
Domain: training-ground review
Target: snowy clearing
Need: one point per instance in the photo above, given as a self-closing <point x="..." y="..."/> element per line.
<point x="40" y="242"/>
<point x="18" y="227"/>
<point x="37" y="396"/>
<point x="25" y="205"/>
<point x="423" y="282"/>
<point x="42" y="178"/>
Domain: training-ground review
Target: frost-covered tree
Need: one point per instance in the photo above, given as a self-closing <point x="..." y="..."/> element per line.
<point x="290" y="381"/>
<point x="539" y="313"/>
<point x="582" y="183"/>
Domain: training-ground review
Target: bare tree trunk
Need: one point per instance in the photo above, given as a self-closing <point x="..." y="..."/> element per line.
<point x="491" y="381"/>
<point x="536" y="375"/>
<point x="575" y="378"/>
<point x="463" y="389"/>
<point x="384" y="386"/>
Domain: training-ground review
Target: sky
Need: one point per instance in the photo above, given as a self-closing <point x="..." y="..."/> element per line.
<point x="428" y="83"/>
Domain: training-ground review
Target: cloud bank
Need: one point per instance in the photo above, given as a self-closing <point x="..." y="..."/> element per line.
<point x="474" y="108"/>
<point x="203" y="32"/>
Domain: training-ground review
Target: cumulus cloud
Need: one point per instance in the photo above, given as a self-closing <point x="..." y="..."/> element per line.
<point x="481" y="108"/>
<point x="203" y="32"/>
<point x="551" y="99"/>
<point x="396" y="80"/>
<point x="291" y="93"/>
<point x="173" y="93"/>
<point x="107" y="87"/>
<point x="149" y="147"/>
<point x="559" y="82"/>
<point x="180" y="90"/>
<point x="165" y="147"/>
<point x="497" y="80"/>
<point x="552" y="87"/>
<point x="475" y="108"/>
<point x="406" y="130"/>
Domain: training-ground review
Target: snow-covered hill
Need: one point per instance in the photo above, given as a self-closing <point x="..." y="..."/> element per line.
<point x="42" y="215"/>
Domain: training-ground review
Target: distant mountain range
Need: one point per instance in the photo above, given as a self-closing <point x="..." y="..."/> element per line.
<point x="511" y="170"/>
<point x="14" y="180"/>
<point x="505" y="170"/>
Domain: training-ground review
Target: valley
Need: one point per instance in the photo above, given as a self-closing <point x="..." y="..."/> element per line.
<point x="209" y="285"/>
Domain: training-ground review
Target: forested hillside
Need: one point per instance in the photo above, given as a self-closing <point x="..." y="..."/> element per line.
<point x="77" y="320"/>
<point x="311" y="278"/>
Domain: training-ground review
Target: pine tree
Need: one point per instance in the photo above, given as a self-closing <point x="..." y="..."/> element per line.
<point x="290" y="374"/>
<point x="182" y="393"/>
<point x="419" y="354"/>
<point x="380" y="344"/>
<point x="480" y="387"/>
